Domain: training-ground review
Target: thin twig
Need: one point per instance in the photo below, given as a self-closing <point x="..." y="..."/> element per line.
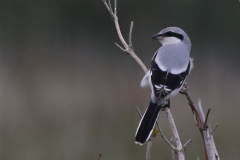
<point x="99" y="157"/>
<point x="120" y="34"/>
<point x="205" y="123"/>
<point x="175" y="134"/>
<point x="139" y="112"/>
<point x="172" y="141"/>
<point x="105" y="3"/>
<point x="115" y="7"/>
<point x="130" y="34"/>
<point x="128" y="48"/>
<point x="165" y="139"/>
<point x="160" y="131"/>
<point x="148" y="152"/>
<point x="215" y="128"/>
<point x="121" y="48"/>
<point x="110" y="6"/>
<point x="185" y="145"/>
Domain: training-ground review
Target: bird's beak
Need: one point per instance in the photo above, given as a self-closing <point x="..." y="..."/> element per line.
<point x="158" y="36"/>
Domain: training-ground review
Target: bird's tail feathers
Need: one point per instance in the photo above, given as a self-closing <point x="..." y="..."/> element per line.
<point x="147" y="123"/>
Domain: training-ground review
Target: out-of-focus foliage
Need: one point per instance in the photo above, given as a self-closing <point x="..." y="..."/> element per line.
<point x="67" y="92"/>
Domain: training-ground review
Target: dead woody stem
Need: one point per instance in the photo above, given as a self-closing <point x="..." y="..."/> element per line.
<point x="201" y="122"/>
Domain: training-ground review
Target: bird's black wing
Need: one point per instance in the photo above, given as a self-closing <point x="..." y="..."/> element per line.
<point x="163" y="82"/>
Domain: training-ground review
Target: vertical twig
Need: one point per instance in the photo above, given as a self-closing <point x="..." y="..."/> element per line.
<point x="172" y="141"/>
<point x="110" y="6"/>
<point x="130" y="35"/>
<point x="115" y="7"/>
<point x="99" y="157"/>
<point x="175" y="135"/>
<point x="206" y="119"/>
<point x="148" y="152"/>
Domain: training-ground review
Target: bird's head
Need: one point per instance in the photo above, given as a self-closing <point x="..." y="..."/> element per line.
<point x="172" y="35"/>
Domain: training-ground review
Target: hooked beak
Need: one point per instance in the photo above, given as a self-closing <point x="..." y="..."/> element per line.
<point x="158" y="37"/>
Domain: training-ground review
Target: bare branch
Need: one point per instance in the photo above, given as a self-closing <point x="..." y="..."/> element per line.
<point x="119" y="33"/>
<point x="172" y="141"/>
<point x="185" y="145"/>
<point x="148" y="152"/>
<point x="215" y="128"/>
<point x="121" y="47"/>
<point x="176" y="135"/>
<point x="209" y="144"/>
<point x="99" y="157"/>
<point x="130" y="35"/>
<point x="164" y="138"/>
<point x="110" y="6"/>
<point x="128" y="48"/>
<point x="205" y="122"/>
<point x="115" y="7"/>
<point x="105" y="3"/>
<point x="139" y="112"/>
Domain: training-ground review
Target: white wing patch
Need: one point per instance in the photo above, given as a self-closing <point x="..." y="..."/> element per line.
<point x="162" y="88"/>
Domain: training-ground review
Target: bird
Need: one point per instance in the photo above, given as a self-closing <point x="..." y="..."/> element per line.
<point x="170" y="66"/>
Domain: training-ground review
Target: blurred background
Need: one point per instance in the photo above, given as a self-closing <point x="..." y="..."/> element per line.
<point x="67" y="92"/>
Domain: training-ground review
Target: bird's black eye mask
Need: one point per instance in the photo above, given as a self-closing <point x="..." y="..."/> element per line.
<point x="173" y="34"/>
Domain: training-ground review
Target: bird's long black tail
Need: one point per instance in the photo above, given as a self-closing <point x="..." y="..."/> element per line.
<point x="147" y="123"/>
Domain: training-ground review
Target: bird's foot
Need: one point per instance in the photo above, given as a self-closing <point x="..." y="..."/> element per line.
<point x="167" y="104"/>
<point x="184" y="88"/>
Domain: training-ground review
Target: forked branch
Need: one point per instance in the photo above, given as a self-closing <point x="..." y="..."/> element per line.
<point x="201" y="122"/>
<point x="127" y="47"/>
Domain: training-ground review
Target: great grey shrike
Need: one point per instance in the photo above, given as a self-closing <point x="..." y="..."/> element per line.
<point x="170" y="66"/>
